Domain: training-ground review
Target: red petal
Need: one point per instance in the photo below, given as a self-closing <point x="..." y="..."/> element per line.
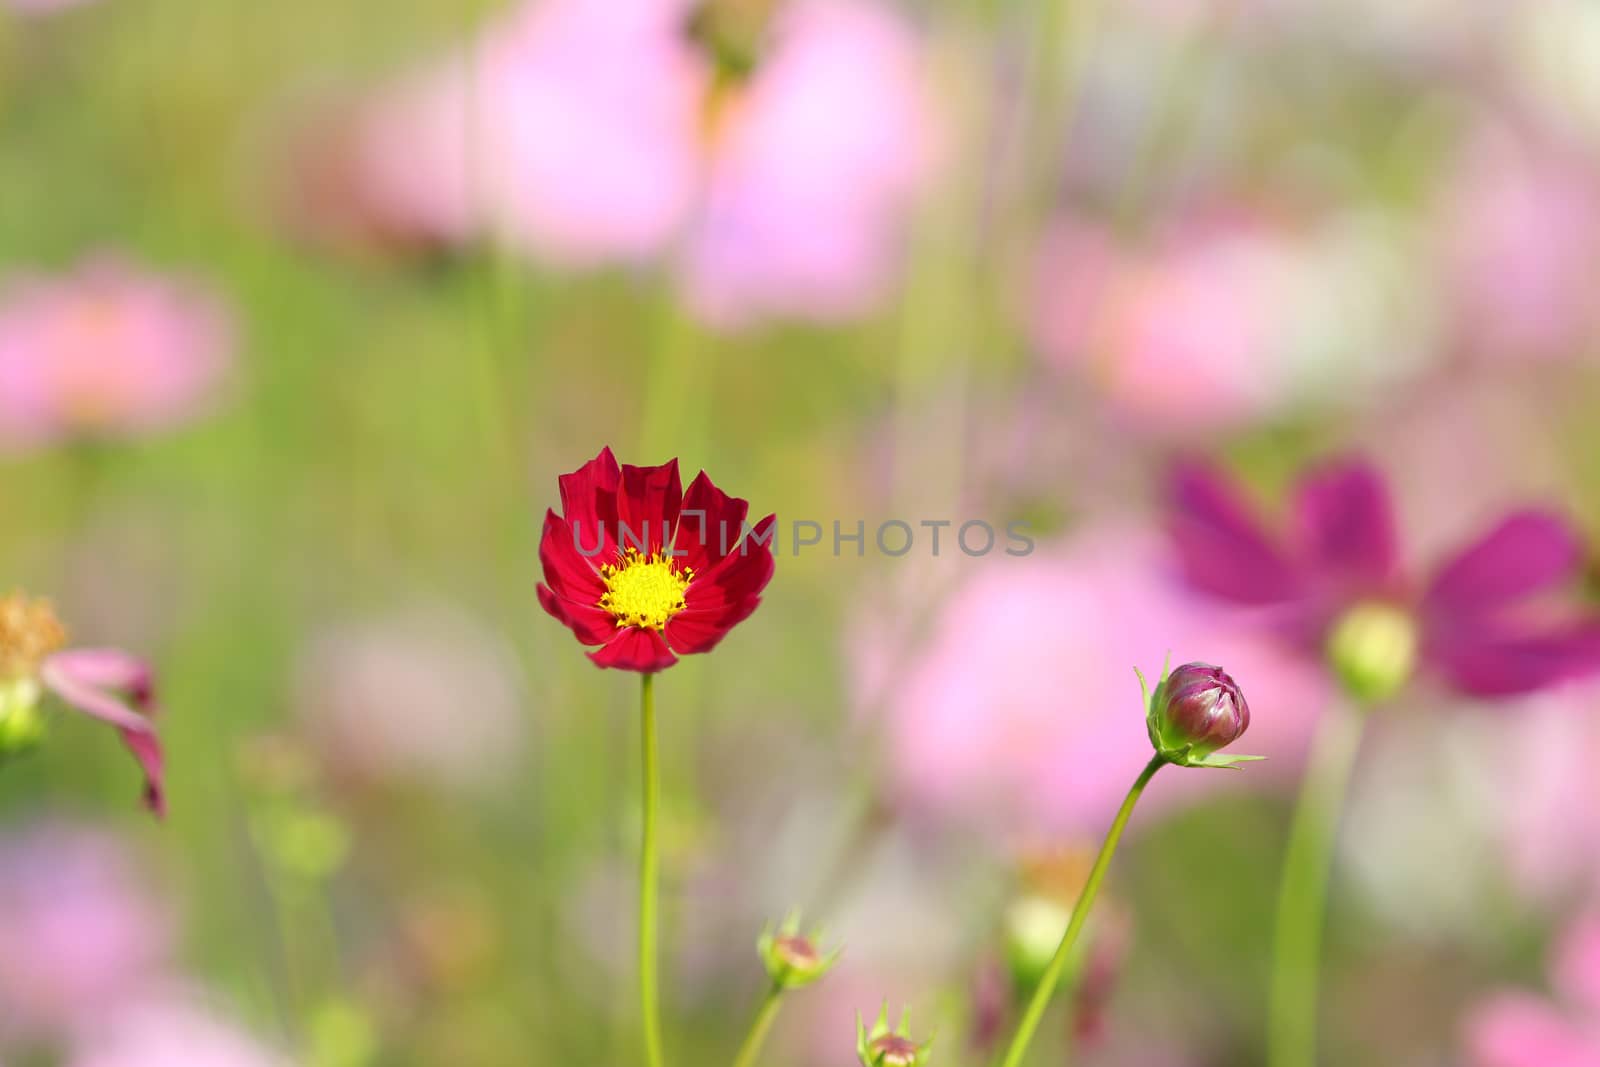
<point x="570" y="573"/>
<point x="649" y="501"/>
<point x="635" y="649"/>
<point x="699" y="630"/>
<point x="589" y="500"/>
<point x="709" y="525"/>
<point x="591" y="625"/>
<point x="743" y="572"/>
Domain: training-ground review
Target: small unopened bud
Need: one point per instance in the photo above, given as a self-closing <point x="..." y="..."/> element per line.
<point x="792" y="958"/>
<point x="1196" y="710"/>
<point x="884" y="1047"/>
<point x="1373" y="650"/>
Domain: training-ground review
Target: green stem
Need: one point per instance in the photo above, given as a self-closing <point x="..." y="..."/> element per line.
<point x="758" y="1029"/>
<point x="649" y="876"/>
<point x="1080" y="915"/>
<point x="1303" y="891"/>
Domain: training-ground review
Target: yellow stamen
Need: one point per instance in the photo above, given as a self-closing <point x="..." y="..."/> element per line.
<point x="642" y="590"/>
<point x="29" y="631"/>
<point x="1373" y="650"/>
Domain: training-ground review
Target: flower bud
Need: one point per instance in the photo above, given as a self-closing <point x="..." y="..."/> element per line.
<point x="791" y="958"/>
<point x="883" y="1047"/>
<point x="1373" y="650"/>
<point x="1196" y="710"/>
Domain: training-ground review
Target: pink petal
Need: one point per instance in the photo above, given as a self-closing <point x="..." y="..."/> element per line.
<point x="84" y="679"/>
<point x="1345" y="521"/>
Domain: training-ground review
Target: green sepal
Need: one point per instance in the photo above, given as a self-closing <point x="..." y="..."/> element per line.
<point x="1223" y="760"/>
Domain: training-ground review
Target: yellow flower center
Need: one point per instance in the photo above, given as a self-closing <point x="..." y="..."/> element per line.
<point x="29" y="631"/>
<point x="1373" y="650"/>
<point x="642" y="590"/>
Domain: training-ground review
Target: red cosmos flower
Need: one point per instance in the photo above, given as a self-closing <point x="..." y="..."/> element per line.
<point x="647" y="571"/>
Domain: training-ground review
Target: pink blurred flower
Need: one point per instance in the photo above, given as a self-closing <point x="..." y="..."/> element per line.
<point x="1021" y="710"/>
<point x="171" y="1028"/>
<point x="106" y="350"/>
<point x="425" y="696"/>
<point x="1521" y="228"/>
<point x="1228" y="314"/>
<point x="1547" y="794"/>
<point x="1176" y="333"/>
<point x="80" y="930"/>
<point x="585" y="137"/>
<point x="43" y="7"/>
<point x="811" y="169"/>
<point x="567" y="130"/>
<point x="1516" y="1029"/>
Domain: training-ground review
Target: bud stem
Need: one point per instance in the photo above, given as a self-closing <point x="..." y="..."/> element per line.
<point x="649" y="876"/>
<point x="758" y="1029"/>
<point x="1080" y="915"/>
<point x="1303" y="890"/>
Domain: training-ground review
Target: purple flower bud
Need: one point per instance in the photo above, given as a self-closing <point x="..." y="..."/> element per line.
<point x="882" y="1046"/>
<point x="1196" y="710"/>
<point x="792" y="958"/>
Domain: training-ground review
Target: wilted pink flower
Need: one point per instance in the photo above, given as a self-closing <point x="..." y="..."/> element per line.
<point x="105" y="351"/>
<point x="585" y="137"/>
<point x="1517" y="1029"/>
<point x="80" y="930"/>
<point x="427" y="695"/>
<point x="1022" y="709"/>
<point x="1521" y="230"/>
<point x="171" y="1028"/>
<point x="105" y="683"/>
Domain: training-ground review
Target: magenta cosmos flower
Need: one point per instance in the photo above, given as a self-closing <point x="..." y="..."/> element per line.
<point x="106" y="683"/>
<point x="105" y="351"/>
<point x="647" y="571"/>
<point x="1333" y="577"/>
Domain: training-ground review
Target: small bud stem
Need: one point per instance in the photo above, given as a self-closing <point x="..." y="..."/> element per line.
<point x="758" y="1029"/>
<point x="1080" y="915"/>
<point x="1303" y="890"/>
<point x="649" y="876"/>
